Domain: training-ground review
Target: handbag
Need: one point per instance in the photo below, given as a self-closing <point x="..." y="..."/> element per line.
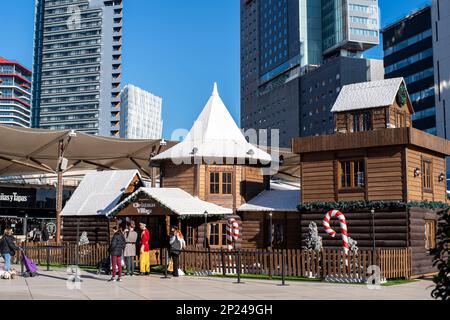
<point x="170" y="266"/>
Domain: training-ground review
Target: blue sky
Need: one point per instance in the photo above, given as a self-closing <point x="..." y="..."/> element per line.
<point x="173" y="48"/>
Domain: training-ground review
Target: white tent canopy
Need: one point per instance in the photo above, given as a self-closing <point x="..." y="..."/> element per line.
<point x="176" y="200"/>
<point x="214" y="137"/>
<point x="29" y="151"/>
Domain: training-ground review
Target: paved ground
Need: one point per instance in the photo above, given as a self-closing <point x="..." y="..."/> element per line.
<point x="53" y="285"/>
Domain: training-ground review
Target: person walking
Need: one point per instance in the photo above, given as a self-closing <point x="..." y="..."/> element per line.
<point x="45" y="236"/>
<point x="116" y="249"/>
<point x="144" y="259"/>
<point x="130" y="248"/>
<point x="177" y="244"/>
<point x="8" y="248"/>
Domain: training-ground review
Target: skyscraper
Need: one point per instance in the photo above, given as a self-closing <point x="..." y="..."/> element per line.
<point x="283" y="40"/>
<point x="441" y="48"/>
<point x="15" y="94"/>
<point x="140" y="113"/>
<point x="408" y="53"/>
<point x="77" y="65"/>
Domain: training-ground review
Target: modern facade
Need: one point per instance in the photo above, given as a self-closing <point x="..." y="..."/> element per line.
<point x="281" y="41"/>
<point x="15" y="94"/>
<point x="321" y="87"/>
<point x="140" y="114"/>
<point x="408" y="53"/>
<point x="77" y="65"/>
<point x="441" y="46"/>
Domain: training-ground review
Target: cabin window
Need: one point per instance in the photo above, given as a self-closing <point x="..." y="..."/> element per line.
<point x="191" y="236"/>
<point x="352" y="174"/>
<point x="217" y="234"/>
<point x="226" y="183"/>
<point x="362" y="121"/>
<point x="427" y="181"/>
<point x="214" y="183"/>
<point x="430" y="234"/>
<point x="220" y="183"/>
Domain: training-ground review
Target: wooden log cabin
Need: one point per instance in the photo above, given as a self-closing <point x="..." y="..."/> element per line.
<point x="209" y="176"/>
<point x="375" y="155"/>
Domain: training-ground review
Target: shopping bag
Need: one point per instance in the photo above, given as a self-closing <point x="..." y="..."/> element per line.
<point x="170" y="266"/>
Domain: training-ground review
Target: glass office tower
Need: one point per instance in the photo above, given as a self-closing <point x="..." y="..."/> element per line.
<point x="140" y="114"/>
<point x="77" y="65"/>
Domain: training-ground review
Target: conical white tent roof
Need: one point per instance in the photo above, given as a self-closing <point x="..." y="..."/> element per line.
<point x="215" y="137"/>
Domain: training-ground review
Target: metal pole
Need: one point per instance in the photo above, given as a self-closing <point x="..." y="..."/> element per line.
<point x="373" y="236"/>
<point x="48" y="258"/>
<point x="78" y="240"/>
<point x="270" y="230"/>
<point x="239" y="265"/>
<point x="283" y="268"/>
<point x="206" y="229"/>
<point x="59" y="190"/>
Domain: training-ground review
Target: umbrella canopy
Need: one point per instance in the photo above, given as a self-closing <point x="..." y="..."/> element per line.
<point x="30" y="151"/>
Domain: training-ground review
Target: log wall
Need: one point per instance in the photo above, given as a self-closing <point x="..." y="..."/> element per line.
<point x="97" y="228"/>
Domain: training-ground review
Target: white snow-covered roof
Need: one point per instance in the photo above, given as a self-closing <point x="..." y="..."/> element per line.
<point x="284" y="199"/>
<point x="368" y="95"/>
<point x="98" y="192"/>
<point x="176" y="200"/>
<point x="213" y="137"/>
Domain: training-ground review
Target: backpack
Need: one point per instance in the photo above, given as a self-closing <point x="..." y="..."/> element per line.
<point x="176" y="245"/>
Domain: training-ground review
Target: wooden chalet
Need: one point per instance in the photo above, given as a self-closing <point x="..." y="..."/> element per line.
<point x="375" y="155"/>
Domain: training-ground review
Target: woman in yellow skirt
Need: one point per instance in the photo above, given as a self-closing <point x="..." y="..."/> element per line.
<point x="144" y="259"/>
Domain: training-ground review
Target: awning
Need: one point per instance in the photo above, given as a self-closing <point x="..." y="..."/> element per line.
<point x="176" y="200"/>
<point x="29" y="151"/>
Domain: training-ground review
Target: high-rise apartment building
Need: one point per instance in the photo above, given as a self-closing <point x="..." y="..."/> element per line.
<point x="15" y="94"/>
<point x="283" y="40"/>
<point x="441" y="48"/>
<point x="408" y="53"/>
<point x="77" y="65"/>
<point x="140" y="113"/>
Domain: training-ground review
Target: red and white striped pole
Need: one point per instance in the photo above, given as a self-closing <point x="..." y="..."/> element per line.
<point x="232" y="235"/>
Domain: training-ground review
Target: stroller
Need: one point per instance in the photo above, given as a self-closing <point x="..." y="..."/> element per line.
<point x="30" y="266"/>
<point x="104" y="266"/>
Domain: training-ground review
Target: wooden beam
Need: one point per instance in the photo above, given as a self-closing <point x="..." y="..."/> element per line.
<point x="41" y="164"/>
<point x="140" y="167"/>
<point x="29" y="165"/>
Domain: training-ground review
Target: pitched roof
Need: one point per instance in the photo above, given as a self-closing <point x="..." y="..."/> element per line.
<point x="368" y="95"/>
<point x="282" y="197"/>
<point x="213" y="136"/>
<point x="98" y="192"/>
<point x="176" y="200"/>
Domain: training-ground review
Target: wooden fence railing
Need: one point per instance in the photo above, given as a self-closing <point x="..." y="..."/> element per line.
<point x="65" y="253"/>
<point x="395" y="263"/>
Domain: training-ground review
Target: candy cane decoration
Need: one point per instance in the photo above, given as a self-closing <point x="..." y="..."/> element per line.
<point x="343" y="223"/>
<point x="232" y="233"/>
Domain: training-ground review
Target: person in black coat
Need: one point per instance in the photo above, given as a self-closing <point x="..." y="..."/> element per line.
<point x="8" y="248"/>
<point x="116" y="248"/>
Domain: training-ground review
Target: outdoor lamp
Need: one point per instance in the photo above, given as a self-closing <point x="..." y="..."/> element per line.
<point x="163" y="142"/>
<point x="72" y="134"/>
<point x="416" y="172"/>
<point x="441" y="177"/>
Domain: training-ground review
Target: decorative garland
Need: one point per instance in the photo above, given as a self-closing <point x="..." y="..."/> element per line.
<point x="376" y="205"/>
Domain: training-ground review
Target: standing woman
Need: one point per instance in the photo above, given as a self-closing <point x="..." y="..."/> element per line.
<point x="144" y="259"/>
<point x="130" y="249"/>
<point x="177" y="244"/>
<point x="8" y="248"/>
<point x="116" y="249"/>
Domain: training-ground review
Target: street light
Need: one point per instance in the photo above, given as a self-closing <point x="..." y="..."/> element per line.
<point x="205" y="214"/>
<point x="373" y="230"/>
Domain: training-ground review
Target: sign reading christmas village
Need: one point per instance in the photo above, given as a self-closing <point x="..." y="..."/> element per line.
<point x="142" y="206"/>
